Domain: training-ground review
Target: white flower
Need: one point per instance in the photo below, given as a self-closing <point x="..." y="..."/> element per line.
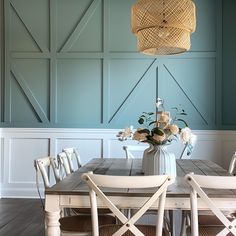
<point x="127" y="133"/>
<point x="159" y="103"/>
<point x="185" y="135"/>
<point x="193" y="139"/>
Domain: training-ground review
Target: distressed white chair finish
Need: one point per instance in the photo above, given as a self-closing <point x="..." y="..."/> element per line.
<point x="64" y="163"/>
<point x="80" y="225"/>
<point x="232" y="164"/>
<point x="72" y="153"/>
<point x="129" y="149"/>
<point x="43" y="165"/>
<point x="198" y="183"/>
<point x="56" y="168"/>
<point x="205" y="216"/>
<point x="96" y="182"/>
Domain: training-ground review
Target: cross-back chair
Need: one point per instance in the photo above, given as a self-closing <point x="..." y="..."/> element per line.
<point x="128" y="226"/>
<point x="72" y="154"/>
<point x="198" y="184"/>
<point x="80" y="225"/>
<point x="131" y="149"/>
<point x="43" y="165"/>
<point x="206" y="217"/>
<point x="64" y="163"/>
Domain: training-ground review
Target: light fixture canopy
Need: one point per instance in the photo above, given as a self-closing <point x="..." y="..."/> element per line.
<point x="163" y="26"/>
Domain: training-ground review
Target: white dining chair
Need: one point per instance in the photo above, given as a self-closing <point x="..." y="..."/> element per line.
<point x="198" y="185"/>
<point x="97" y="183"/>
<point x="64" y="164"/>
<point x="72" y="156"/>
<point x="206" y="217"/>
<point x="131" y="149"/>
<point x="80" y="225"/>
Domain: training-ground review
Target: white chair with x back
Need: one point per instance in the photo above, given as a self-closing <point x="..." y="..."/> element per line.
<point x="97" y="183"/>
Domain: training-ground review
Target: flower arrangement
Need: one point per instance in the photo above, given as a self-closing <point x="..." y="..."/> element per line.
<point x="160" y="128"/>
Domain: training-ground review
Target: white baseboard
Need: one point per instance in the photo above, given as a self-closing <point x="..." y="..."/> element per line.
<point x="20" y="146"/>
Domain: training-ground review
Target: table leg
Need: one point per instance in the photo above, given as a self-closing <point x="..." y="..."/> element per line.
<point x="52" y="215"/>
<point x="52" y="223"/>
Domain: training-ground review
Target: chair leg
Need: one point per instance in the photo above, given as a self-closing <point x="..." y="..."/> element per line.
<point x="185" y="222"/>
<point x="172" y="222"/>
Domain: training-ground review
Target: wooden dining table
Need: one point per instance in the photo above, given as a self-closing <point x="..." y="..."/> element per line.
<point x="72" y="192"/>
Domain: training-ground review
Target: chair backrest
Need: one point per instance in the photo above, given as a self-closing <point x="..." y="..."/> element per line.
<point x="56" y="168"/>
<point x="64" y="163"/>
<point x="232" y="164"/>
<point x="72" y="153"/>
<point x="130" y="149"/>
<point x="96" y="182"/>
<point x="43" y="166"/>
<point x="198" y="183"/>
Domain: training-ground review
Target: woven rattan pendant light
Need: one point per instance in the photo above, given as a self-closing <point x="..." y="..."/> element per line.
<point x="163" y="26"/>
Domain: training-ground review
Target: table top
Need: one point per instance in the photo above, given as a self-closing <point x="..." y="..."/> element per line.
<point x="73" y="184"/>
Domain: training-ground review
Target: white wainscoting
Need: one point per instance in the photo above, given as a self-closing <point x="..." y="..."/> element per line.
<point x="19" y="147"/>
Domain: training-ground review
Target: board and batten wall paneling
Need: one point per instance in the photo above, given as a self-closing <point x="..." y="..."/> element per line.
<point x="229" y="73"/>
<point x="74" y="64"/>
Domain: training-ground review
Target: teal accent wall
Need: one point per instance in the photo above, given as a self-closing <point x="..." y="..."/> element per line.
<point x="74" y="63"/>
<point x="229" y="65"/>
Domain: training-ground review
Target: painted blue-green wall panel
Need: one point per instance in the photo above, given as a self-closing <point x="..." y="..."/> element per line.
<point x="21" y="109"/>
<point x="121" y="38"/>
<point x="131" y="93"/>
<point x="35" y="75"/>
<point x="191" y="84"/>
<point x="69" y="14"/>
<point x="20" y="38"/>
<point x="79" y="87"/>
<point x="204" y="39"/>
<point x="124" y="76"/>
<point x="35" y="16"/>
<point x="32" y="77"/>
<point x="90" y="38"/>
<point x="229" y="72"/>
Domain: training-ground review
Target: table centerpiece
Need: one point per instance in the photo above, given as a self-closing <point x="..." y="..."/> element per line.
<point x="159" y="129"/>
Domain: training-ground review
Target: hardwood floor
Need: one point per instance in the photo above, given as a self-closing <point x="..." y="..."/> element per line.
<point x="21" y="217"/>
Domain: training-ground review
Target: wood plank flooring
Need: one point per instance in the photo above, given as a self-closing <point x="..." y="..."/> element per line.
<point x="21" y="217"/>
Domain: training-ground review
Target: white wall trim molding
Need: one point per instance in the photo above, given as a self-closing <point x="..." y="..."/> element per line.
<point x="20" y="146"/>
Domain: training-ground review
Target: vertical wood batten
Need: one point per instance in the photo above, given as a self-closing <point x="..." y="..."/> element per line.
<point x="219" y="61"/>
<point x="53" y="62"/>
<point x="105" y="65"/>
<point x="7" y="83"/>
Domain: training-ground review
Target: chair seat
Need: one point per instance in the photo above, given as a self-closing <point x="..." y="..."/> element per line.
<point x="211" y="230"/>
<point x="210" y="225"/>
<point x="147" y="230"/>
<point x="212" y="220"/>
<point x="83" y="223"/>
